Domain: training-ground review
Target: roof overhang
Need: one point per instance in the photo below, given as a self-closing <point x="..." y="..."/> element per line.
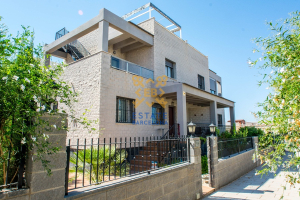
<point x="122" y="27"/>
<point x="195" y="96"/>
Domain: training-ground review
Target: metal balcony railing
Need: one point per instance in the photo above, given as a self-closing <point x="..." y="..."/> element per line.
<point x="131" y="68"/>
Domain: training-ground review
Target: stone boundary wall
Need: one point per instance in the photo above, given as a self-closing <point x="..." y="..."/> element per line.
<point x="179" y="182"/>
<point x="40" y="185"/>
<point x="224" y="171"/>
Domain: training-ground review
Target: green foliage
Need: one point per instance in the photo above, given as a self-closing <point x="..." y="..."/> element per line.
<point x="217" y="131"/>
<point x="242" y="132"/>
<point x="204" y="164"/>
<point x="29" y="90"/>
<point x="203" y="140"/>
<point x="281" y="109"/>
<point x="110" y="161"/>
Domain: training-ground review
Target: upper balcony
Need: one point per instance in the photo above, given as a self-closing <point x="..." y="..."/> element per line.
<point x="132" y="68"/>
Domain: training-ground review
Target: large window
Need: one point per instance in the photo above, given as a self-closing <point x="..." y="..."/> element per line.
<point x="201" y="82"/>
<point x="125" y="110"/>
<point x="157" y="114"/>
<point x="213" y="87"/>
<point x="170" y="69"/>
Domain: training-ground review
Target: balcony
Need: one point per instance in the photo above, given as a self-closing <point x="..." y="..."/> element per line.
<point x="132" y="68"/>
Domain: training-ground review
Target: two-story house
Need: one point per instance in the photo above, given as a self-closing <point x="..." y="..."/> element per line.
<point x="138" y="79"/>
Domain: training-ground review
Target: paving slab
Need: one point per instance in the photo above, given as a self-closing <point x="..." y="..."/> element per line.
<point x="253" y="186"/>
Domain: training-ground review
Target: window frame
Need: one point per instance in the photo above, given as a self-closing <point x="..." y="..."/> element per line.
<point x="215" y="92"/>
<point x="221" y="119"/>
<point x="203" y="82"/>
<point x="172" y="68"/>
<point x="161" y="116"/>
<point x="131" y="110"/>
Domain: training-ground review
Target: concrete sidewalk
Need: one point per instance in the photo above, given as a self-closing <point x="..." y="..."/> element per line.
<point x="251" y="186"/>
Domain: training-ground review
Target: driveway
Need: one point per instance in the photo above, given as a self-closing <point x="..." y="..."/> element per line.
<point x="252" y="186"/>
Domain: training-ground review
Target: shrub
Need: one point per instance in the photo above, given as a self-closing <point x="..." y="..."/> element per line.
<point x="204" y="164"/>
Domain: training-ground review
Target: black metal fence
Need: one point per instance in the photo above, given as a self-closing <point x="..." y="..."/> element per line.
<point x="234" y="146"/>
<point x="12" y="171"/>
<point x="108" y="160"/>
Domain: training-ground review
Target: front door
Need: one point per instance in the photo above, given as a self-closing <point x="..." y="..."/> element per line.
<point x="171" y="122"/>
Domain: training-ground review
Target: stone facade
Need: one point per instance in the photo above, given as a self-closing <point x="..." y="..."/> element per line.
<point x="99" y="84"/>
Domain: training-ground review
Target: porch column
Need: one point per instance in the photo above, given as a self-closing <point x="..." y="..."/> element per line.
<point x="213" y="113"/>
<point x="232" y="116"/>
<point x="181" y="110"/>
<point x="103" y="36"/>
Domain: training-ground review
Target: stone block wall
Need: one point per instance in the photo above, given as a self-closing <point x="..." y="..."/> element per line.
<point x="40" y="185"/>
<point x="224" y="171"/>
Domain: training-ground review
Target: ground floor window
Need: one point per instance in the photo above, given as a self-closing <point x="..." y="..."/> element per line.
<point x="157" y="114"/>
<point x="125" y="110"/>
<point x="220" y="120"/>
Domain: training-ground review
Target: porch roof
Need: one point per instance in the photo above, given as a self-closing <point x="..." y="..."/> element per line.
<point x="195" y="96"/>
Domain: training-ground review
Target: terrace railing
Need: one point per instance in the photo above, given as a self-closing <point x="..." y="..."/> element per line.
<point x="229" y="147"/>
<point x="108" y="160"/>
<point x="131" y="68"/>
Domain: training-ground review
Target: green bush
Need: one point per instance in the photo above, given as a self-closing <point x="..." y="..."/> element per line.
<point x="242" y="132"/>
<point x="204" y="164"/>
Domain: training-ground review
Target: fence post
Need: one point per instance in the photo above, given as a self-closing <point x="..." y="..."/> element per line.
<point x="67" y="169"/>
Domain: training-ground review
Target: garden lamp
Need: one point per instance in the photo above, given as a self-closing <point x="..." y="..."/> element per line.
<point x="212" y="128"/>
<point x="191" y="126"/>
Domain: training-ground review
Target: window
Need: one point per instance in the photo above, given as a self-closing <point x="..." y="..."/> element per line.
<point x="201" y="82"/>
<point x="169" y="66"/>
<point x="125" y="110"/>
<point x="115" y="62"/>
<point x="220" y="120"/>
<point x="157" y="114"/>
<point x="213" y="88"/>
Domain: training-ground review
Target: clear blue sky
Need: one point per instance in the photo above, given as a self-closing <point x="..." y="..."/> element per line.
<point x="222" y="30"/>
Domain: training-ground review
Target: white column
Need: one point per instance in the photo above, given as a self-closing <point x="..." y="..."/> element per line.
<point x="103" y="36"/>
<point x="213" y="113"/>
<point x="181" y="110"/>
<point x="232" y="116"/>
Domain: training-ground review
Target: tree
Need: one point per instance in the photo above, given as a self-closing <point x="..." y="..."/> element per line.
<point x="28" y="91"/>
<point x="281" y="109"/>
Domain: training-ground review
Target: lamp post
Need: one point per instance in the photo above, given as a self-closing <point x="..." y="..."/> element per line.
<point x="212" y="128"/>
<point x="192" y="127"/>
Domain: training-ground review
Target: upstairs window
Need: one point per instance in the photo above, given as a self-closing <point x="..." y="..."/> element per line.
<point x="157" y="114"/>
<point x="125" y="110"/>
<point x="201" y="82"/>
<point x="213" y="87"/>
<point x="170" y="68"/>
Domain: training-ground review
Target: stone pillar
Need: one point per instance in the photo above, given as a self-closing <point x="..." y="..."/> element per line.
<point x="255" y="147"/>
<point x="232" y="116"/>
<point x="103" y="36"/>
<point x="213" y="113"/>
<point x="46" y="57"/>
<point x="212" y="159"/>
<point x="195" y="150"/>
<point x="40" y="184"/>
<point x="195" y="156"/>
<point x="181" y="110"/>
